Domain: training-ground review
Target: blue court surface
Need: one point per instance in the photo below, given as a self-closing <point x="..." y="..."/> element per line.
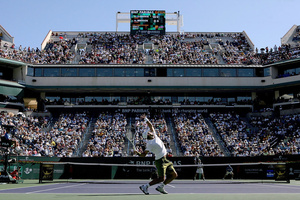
<point x="178" y="189"/>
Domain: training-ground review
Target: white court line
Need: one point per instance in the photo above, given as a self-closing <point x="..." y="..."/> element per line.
<point x="29" y="187"/>
<point x="170" y="185"/>
<point x="284" y="186"/>
<point x="55" y="188"/>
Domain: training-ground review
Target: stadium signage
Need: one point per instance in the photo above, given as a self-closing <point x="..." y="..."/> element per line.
<point x="142" y="110"/>
<point x="27" y="159"/>
<point x="27" y="170"/>
<point x="147" y="162"/>
<point x="194" y="111"/>
<point x="5" y="144"/>
<point x="4" y="176"/>
<point x="147" y="22"/>
<point x="134" y="110"/>
<point x="280" y="158"/>
<point x="142" y="11"/>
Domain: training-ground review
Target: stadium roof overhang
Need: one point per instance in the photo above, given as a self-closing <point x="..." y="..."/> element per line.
<point x="284" y="63"/>
<point x="7" y="63"/>
<point x="74" y="90"/>
<point x="9" y="88"/>
<point x="152" y="65"/>
<point x="126" y="90"/>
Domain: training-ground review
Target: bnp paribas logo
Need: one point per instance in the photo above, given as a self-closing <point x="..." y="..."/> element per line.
<point x="27" y="170"/>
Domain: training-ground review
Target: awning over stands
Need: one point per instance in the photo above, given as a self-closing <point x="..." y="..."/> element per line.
<point x="9" y="88"/>
<point x="11" y="63"/>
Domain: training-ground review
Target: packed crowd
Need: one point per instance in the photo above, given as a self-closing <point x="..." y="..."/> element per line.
<point x="173" y="49"/>
<point x="284" y="131"/>
<point x="26" y="132"/>
<point x="236" y="134"/>
<point x="68" y="132"/>
<point x="285" y="52"/>
<point x="237" y="50"/>
<point x="258" y="136"/>
<point x="108" y="137"/>
<point x="195" y="137"/>
<point x="262" y="136"/>
<point x="112" y="48"/>
<point x="58" y="52"/>
<point x="36" y="137"/>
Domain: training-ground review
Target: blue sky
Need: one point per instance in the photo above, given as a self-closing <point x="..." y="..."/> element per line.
<point x="265" y="21"/>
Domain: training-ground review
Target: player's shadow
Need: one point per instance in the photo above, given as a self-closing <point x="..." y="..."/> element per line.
<point x="112" y="195"/>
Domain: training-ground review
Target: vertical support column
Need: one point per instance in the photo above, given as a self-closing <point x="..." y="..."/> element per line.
<point x="276" y="94"/>
<point x="178" y="22"/>
<point x="41" y="102"/>
<point x="253" y="96"/>
<point x="117" y="21"/>
<point x="274" y="72"/>
<point x="43" y="95"/>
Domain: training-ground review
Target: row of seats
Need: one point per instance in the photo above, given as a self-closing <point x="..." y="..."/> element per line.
<point x="256" y="136"/>
<point x="38" y="137"/>
<point x="108" y="137"/>
<point x="261" y="136"/>
<point x="112" y="48"/>
<point x="194" y="136"/>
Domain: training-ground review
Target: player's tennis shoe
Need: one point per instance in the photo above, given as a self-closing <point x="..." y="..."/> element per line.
<point x="144" y="189"/>
<point x="161" y="190"/>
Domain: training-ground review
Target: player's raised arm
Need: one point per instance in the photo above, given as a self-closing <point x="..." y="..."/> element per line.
<point x="148" y="123"/>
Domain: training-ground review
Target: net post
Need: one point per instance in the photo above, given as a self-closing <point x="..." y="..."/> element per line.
<point x="262" y="174"/>
<point x="281" y="172"/>
<point x="46" y="172"/>
<point x="287" y="167"/>
<point x="40" y="174"/>
<point x="114" y="170"/>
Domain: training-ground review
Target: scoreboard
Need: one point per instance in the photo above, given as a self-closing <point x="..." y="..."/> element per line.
<point x="147" y="22"/>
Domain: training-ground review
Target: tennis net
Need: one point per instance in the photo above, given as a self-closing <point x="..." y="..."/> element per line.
<point x="241" y="172"/>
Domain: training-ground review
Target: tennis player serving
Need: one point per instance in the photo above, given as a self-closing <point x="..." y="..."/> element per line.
<point x="165" y="169"/>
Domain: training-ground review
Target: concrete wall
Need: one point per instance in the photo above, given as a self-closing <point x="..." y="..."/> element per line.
<point x="154" y="81"/>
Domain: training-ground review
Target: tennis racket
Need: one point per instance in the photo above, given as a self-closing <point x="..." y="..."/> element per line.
<point x="130" y="138"/>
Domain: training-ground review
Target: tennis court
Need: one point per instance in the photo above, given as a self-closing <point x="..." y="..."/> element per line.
<point x="129" y="189"/>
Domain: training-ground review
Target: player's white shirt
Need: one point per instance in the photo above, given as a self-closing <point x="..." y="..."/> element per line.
<point x="157" y="147"/>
